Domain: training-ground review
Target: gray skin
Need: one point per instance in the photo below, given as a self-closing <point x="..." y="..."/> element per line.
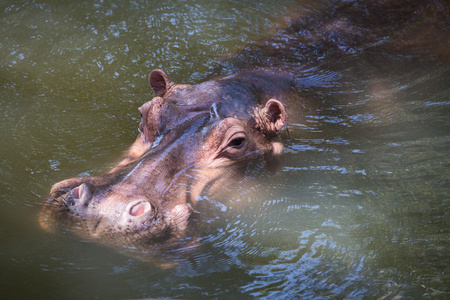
<point x="193" y="139"/>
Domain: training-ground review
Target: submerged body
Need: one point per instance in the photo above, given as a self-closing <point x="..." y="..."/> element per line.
<point x="199" y="139"/>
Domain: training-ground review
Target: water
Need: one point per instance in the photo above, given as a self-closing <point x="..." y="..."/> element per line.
<point x="359" y="210"/>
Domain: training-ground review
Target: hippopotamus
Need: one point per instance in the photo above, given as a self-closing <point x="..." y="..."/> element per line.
<point x="201" y="138"/>
<point x="192" y="138"/>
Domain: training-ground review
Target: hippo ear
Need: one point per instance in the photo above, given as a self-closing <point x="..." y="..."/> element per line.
<point x="144" y="110"/>
<point x="274" y="115"/>
<point x="150" y="119"/>
<point x="160" y="82"/>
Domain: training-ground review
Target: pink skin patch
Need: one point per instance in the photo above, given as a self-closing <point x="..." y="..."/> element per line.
<point x="139" y="208"/>
<point x="76" y="193"/>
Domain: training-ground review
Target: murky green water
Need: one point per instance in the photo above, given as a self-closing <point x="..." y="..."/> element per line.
<point x="359" y="210"/>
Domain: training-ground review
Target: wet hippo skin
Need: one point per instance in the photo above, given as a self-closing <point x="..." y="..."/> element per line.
<point x="191" y="138"/>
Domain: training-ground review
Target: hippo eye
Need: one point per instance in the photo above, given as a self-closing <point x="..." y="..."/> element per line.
<point x="237" y="142"/>
<point x="235" y="147"/>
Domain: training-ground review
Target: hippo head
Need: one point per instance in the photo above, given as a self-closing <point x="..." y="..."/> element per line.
<point x="194" y="139"/>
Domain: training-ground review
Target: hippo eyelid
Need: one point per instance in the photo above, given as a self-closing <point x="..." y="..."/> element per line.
<point x="234" y="145"/>
<point x="237" y="140"/>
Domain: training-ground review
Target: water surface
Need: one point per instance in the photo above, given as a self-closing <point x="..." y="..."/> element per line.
<point x="360" y="208"/>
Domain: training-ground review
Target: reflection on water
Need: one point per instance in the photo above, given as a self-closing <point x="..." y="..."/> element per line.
<point x="359" y="210"/>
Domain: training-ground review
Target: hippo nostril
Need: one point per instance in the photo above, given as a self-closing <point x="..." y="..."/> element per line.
<point x="80" y="195"/>
<point x="139" y="207"/>
<point x="76" y="192"/>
